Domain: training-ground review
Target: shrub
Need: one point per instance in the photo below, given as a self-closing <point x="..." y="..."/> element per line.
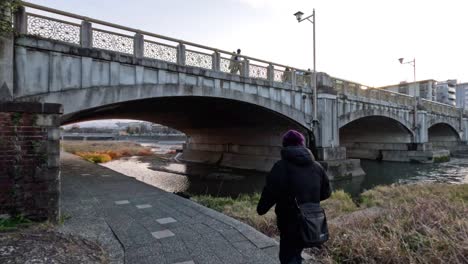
<point x="95" y="157"/>
<point x="99" y="151"/>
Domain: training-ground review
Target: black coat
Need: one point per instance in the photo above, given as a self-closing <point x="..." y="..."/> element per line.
<point x="296" y="174"/>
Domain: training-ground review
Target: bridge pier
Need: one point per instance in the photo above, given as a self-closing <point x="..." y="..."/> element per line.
<point x="329" y="151"/>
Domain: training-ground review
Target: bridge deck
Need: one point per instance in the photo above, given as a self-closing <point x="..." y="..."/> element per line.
<point x="139" y="223"/>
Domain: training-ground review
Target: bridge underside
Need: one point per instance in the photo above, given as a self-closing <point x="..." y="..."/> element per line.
<point x="220" y="131"/>
<point x="383" y="138"/>
<point x="443" y="136"/>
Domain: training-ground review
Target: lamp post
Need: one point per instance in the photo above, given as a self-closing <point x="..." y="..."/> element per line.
<point x="413" y="63"/>
<point x="299" y="18"/>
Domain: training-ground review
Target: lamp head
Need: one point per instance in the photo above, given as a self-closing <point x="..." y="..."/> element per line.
<point x="401" y="60"/>
<point x="299" y="15"/>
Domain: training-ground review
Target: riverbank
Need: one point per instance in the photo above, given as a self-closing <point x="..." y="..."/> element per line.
<point x="415" y="223"/>
<point x="105" y="151"/>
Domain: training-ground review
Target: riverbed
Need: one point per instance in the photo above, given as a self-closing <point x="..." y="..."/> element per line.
<point x="165" y="172"/>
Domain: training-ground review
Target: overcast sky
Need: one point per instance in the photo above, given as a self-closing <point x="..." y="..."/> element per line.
<point x="357" y="40"/>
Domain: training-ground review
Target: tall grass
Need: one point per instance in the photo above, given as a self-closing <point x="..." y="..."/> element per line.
<point x="419" y="223"/>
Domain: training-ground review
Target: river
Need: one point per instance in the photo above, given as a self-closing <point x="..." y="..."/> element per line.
<point x="162" y="171"/>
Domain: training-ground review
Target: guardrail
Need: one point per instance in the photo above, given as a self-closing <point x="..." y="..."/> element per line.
<point x="93" y="33"/>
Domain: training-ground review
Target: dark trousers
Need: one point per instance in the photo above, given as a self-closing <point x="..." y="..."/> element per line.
<point x="290" y="249"/>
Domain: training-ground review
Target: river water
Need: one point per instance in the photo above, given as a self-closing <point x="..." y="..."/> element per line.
<point x="163" y="172"/>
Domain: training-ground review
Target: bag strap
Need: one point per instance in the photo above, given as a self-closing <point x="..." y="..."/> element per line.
<point x="290" y="186"/>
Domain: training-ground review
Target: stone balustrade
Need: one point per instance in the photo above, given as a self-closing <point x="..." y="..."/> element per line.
<point x="90" y="33"/>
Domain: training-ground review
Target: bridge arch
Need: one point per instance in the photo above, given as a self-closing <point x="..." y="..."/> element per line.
<point x="443" y="135"/>
<point x="448" y="123"/>
<point x="363" y="113"/>
<point x="78" y="100"/>
<point x="375" y="137"/>
<point x="223" y="127"/>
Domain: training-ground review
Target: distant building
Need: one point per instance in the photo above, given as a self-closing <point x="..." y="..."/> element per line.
<point x="425" y="89"/>
<point x="462" y="95"/>
<point x="446" y="92"/>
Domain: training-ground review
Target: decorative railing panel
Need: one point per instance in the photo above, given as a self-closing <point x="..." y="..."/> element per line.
<point x="257" y="71"/>
<point x="230" y="66"/>
<point x="112" y="41"/>
<point x="53" y="29"/>
<point x="278" y="76"/>
<point x="198" y="59"/>
<point x="160" y="51"/>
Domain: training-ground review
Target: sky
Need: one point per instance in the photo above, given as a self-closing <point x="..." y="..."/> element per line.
<point x="359" y="40"/>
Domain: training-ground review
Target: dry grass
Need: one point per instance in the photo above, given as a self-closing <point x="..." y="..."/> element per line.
<point x="103" y="151"/>
<point x="420" y="223"/>
<point x="424" y="223"/>
<point x="244" y="209"/>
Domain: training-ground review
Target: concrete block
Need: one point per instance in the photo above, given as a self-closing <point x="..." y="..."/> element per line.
<point x="32" y="71"/>
<point x="331" y="153"/>
<point x="53" y="161"/>
<point x="139" y="71"/>
<point x="65" y="72"/>
<point x="53" y="133"/>
<point x="45" y="120"/>
<point x="150" y="76"/>
<point x="127" y="75"/>
<point x="101" y="73"/>
<point x="114" y="73"/>
<point x="190" y="80"/>
<point x="249" y="162"/>
<point x="208" y="82"/>
<point x="208" y="157"/>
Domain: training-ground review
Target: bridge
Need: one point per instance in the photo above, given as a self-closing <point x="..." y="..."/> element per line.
<point x="100" y="70"/>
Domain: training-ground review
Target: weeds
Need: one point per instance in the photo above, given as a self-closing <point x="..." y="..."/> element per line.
<point x="13" y="223"/>
<point x="244" y="209"/>
<point x="418" y="223"/>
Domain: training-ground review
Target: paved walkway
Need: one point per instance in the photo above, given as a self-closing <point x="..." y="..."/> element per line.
<point x="139" y="223"/>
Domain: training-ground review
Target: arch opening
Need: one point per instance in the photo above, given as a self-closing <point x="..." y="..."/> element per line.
<point x="219" y="131"/>
<point x="443" y="136"/>
<point x="375" y="137"/>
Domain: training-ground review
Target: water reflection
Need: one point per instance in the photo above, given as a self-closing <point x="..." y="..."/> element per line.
<point x="383" y="173"/>
<point x="163" y="172"/>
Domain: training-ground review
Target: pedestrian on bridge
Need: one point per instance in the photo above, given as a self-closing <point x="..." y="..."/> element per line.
<point x="235" y="64"/>
<point x="296" y="180"/>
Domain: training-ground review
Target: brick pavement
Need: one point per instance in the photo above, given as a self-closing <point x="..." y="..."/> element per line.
<point x="139" y="223"/>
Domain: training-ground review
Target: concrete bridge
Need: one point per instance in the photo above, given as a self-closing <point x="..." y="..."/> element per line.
<point x="99" y="70"/>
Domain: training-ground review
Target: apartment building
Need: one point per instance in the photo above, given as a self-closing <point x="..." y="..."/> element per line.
<point x="425" y="89"/>
<point x="446" y="92"/>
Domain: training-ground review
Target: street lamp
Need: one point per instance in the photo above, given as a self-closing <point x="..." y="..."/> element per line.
<point x="413" y="63"/>
<point x="299" y="18"/>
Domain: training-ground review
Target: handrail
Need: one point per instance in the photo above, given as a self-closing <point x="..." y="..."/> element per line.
<point x="101" y="22"/>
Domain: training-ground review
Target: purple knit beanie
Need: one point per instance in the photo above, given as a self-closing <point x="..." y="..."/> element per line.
<point x="293" y="138"/>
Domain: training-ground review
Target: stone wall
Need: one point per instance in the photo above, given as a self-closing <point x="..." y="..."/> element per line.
<point x="29" y="159"/>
